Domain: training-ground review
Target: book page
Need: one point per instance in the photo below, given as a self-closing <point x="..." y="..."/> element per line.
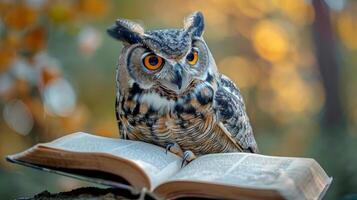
<point x="309" y="178"/>
<point x="154" y="160"/>
<point x="228" y="168"/>
<point x="287" y="175"/>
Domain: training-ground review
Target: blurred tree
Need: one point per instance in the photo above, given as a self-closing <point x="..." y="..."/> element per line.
<point x="333" y="145"/>
<point x="326" y="53"/>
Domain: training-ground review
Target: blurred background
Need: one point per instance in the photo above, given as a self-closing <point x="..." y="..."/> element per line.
<point x="294" y="60"/>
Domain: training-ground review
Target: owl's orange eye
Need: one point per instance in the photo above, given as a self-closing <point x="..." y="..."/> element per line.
<point x="152" y="62"/>
<point x="192" y="57"/>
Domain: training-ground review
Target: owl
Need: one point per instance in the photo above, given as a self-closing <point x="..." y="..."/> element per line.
<point x="170" y="93"/>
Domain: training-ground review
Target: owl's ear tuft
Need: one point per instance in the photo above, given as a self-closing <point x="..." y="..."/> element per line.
<point x="126" y="31"/>
<point x="195" y="24"/>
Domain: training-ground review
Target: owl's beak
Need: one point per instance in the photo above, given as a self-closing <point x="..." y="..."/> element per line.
<point x="177" y="80"/>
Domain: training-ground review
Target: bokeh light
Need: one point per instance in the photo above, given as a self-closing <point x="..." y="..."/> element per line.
<point x="18" y="117"/>
<point x="89" y="40"/>
<point x="347" y="29"/>
<point x="270" y="41"/>
<point x="246" y="72"/>
<point x="59" y="98"/>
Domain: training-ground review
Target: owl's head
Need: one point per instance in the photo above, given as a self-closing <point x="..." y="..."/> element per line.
<point x="167" y="58"/>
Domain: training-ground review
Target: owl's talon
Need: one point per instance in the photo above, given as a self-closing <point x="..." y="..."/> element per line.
<point x="175" y="149"/>
<point x="188" y="156"/>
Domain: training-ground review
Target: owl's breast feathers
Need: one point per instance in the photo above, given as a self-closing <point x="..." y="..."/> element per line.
<point x="159" y="116"/>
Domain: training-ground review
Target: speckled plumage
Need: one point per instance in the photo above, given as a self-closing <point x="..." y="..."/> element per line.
<point x="193" y="106"/>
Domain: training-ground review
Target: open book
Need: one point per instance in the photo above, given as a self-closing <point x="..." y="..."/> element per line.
<point x="118" y="163"/>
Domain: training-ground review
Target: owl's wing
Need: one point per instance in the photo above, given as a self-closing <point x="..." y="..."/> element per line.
<point x="120" y="125"/>
<point x="232" y="115"/>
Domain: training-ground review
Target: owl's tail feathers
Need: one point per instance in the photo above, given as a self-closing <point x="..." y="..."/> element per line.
<point x="252" y="149"/>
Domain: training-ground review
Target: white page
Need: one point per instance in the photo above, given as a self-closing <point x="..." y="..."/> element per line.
<point x="153" y="159"/>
